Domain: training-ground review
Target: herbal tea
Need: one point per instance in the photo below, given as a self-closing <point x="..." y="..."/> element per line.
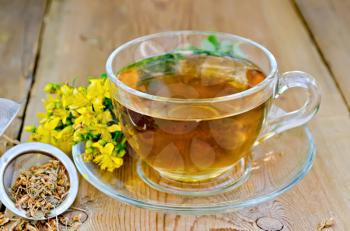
<point x="191" y="149"/>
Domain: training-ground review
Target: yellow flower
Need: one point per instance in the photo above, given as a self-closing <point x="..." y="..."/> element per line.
<point x="66" y="90"/>
<point x="85" y="110"/>
<point x="65" y="134"/>
<point x="52" y="88"/>
<point x="65" y="146"/>
<point x="85" y="119"/>
<point x="44" y="135"/>
<point x="88" y="156"/>
<point x="107" y="149"/>
<point x="79" y="133"/>
<point x="52" y="123"/>
<point x="30" y="128"/>
<point x="109" y="163"/>
<point x="106" y="159"/>
<point x="114" y="128"/>
<point x="104" y="117"/>
<point x="106" y="86"/>
<point x="103" y="131"/>
<point x="82" y="114"/>
<point x="50" y="103"/>
<point x="98" y="104"/>
<point x="95" y="89"/>
<point x="61" y="113"/>
<point x="74" y="100"/>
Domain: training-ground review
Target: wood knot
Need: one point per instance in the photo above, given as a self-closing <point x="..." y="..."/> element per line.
<point x="269" y="224"/>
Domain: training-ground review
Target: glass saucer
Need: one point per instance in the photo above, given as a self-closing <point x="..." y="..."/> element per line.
<point x="278" y="164"/>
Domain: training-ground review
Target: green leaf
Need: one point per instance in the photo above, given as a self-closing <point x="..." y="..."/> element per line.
<point x="213" y="46"/>
<point x="168" y="57"/>
<point x="107" y="103"/>
<point x="69" y="120"/>
<point x="214" y="40"/>
<point x="60" y="126"/>
<point x="116" y="136"/>
<point x="121" y="146"/>
<point x="86" y="136"/>
<point x="226" y="47"/>
<point x="104" y="76"/>
<point x="121" y="153"/>
<point x="208" y="46"/>
<point x="164" y="64"/>
<point x="237" y="51"/>
<point x="52" y="88"/>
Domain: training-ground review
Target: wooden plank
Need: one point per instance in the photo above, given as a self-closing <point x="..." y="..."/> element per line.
<point x="329" y="23"/>
<point x="20" y="25"/>
<point x="80" y="35"/>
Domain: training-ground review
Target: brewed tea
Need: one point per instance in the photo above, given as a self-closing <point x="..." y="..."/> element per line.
<point x="191" y="149"/>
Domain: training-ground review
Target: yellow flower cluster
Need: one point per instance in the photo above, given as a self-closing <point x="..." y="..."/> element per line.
<point x="82" y="114"/>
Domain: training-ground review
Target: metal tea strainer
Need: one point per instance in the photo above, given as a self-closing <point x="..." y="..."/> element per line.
<point x="23" y="156"/>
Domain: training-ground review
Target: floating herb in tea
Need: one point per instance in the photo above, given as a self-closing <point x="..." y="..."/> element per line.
<point x="40" y="189"/>
<point x="166" y="63"/>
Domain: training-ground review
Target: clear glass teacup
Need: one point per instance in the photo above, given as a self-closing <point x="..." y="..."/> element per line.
<point x="193" y="105"/>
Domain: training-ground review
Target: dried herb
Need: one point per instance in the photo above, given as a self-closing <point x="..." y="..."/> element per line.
<point x="326" y="224"/>
<point x="42" y="188"/>
<point x="14" y="223"/>
<point x="3" y="219"/>
<point x="73" y="218"/>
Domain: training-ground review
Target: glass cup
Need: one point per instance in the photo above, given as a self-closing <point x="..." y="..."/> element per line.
<point x="191" y="145"/>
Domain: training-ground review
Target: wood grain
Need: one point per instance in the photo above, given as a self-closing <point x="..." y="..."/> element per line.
<point x="20" y="25"/>
<point x="79" y="36"/>
<point x="329" y="22"/>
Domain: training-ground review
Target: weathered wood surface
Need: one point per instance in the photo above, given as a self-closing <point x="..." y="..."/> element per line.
<point x="80" y="34"/>
<point x="329" y="23"/>
<point x="20" y="26"/>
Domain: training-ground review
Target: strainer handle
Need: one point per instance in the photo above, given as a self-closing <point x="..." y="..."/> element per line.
<point x="8" y="111"/>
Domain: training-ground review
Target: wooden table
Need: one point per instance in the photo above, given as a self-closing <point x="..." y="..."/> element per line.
<point x="57" y="40"/>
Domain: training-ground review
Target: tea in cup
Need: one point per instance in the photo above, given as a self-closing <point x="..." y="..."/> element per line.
<point x="193" y="105"/>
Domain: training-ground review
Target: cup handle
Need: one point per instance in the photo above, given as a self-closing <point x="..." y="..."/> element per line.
<point x="287" y="120"/>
